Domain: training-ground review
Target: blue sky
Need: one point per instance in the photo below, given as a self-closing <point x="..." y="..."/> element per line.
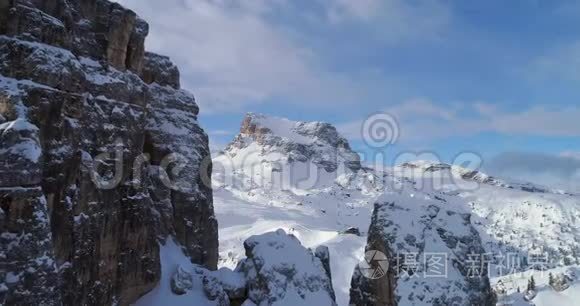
<point x="484" y="76"/>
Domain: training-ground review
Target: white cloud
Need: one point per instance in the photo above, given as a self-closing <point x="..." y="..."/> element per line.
<point x="561" y="172"/>
<point x="392" y="21"/>
<point x="421" y="120"/>
<point x="220" y="133"/>
<point x="236" y="54"/>
<point x="562" y="62"/>
<point x="343" y="10"/>
<point x="539" y="120"/>
<point x="231" y="56"/>
<point x="571" y="154"/>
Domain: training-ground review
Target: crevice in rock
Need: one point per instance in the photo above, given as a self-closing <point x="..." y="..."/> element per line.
<point x="5" y="205"/>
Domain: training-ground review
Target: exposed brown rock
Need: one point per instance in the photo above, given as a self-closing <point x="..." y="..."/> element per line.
<point x="159" y="69"/>
<point x="375" y="291"/>
<point x="83" y="142"/>
<point x="27" y="268"/>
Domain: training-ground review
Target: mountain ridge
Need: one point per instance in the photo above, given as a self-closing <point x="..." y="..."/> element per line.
<point x="321" y="213"/>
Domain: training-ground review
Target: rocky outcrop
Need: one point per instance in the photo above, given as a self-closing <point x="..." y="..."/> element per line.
<point x="428" y="255"/>
<point x="560" y="281"/>
<point x="214" y="286"/>
<point x="101" y="156"/>
<point x="28" y="272"/>
<point x="159" y="69"/>
<point x="278" y="270"/>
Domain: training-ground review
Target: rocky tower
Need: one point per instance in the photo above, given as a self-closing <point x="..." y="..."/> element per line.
<point x="277" y="270"/>
<point x="435" y="256"/>
<point x="88" y="120"/>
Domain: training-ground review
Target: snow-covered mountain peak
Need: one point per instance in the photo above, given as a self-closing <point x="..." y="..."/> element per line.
<point x="280" y="139"/>
<point x="258" y="125"/>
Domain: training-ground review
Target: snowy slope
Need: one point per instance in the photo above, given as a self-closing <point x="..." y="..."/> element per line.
<point x="172" y="257"/>
<point x="260" y="186"/>
<point x="300" y="177"/>
<point x="545" y="294"/>
<point x="512" y="217"/>
<point x="429" y="245"/>
<point x="239" y="219"/>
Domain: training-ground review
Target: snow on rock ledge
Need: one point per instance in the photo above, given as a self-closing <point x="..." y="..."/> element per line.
<point x="278" y="271"/>
<point x="409" y="231"/>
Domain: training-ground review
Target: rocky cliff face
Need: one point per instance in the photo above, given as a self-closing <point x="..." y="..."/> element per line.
<point x="432" y="256"/>
<point x="100" y="157"/>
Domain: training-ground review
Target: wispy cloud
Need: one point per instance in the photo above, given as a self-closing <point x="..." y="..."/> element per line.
<point x="236" y="54"/>
<point x="392" y="21"/>
<point x="560" y="63"/>
<point x="550" y="170"/>
<point x="571" y="154"/>
<point x="228" y="55"/>
<point x="220" y="133"/>
<point x="421" y="120"/>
